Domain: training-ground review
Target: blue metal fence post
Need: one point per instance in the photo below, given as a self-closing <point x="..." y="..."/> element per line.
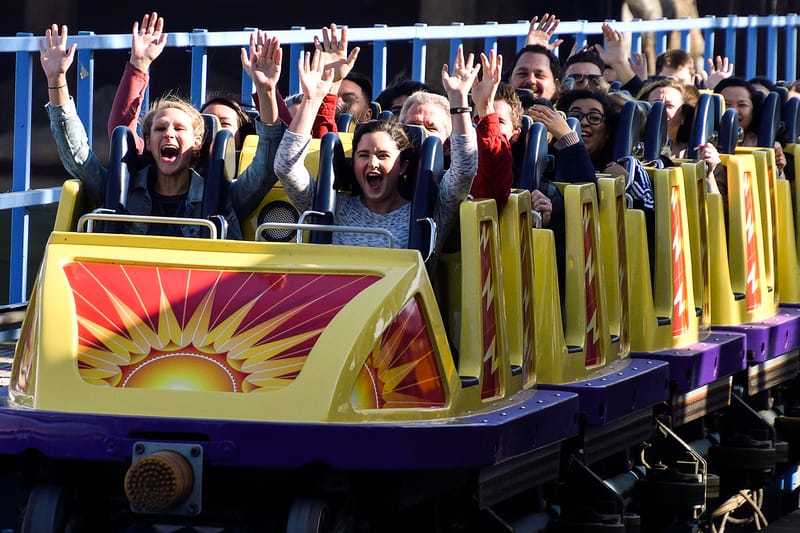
<point x="772" y="47"/>
<point x="85" y="88"/>
<point x="730" y="38"/>
<point x="791" y="47"/>
<point x="520" y="40"/>
<point x="751" y="53"/>
<point x="580" y="37"/>
<point x="419" y="49"/>
<point x="686" y="38"/>
<point x="247" y="84"/>
<point x="708" y="36"/>
<point x="199" y="71"/>
<point x="661" y="41"/>
<point x="636" y="40"/>
<point x="295" y="51"/>
<point x="21" y="175"/>
<point x="379" y="60"/>
<point x="490" y="43"/>
<point x="455" y="42"/>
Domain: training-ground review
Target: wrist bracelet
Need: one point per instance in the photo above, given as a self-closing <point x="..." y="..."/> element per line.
<point x="459" y="110"/>
<point x="57" y="86"/>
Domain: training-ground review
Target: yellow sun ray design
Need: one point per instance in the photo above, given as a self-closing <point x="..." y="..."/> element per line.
<point x="200" y="329"/>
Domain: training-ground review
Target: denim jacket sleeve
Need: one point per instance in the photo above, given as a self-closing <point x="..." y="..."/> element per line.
<point x="258" y="178"/>
<point x="74" y="151"/>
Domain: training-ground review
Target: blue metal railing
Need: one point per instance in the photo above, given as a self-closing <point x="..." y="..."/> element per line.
<point x="779" y="31"/>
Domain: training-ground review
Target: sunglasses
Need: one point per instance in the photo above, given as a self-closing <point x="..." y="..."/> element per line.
<point x="589" y="78"/>
<point x="592" y="117"/>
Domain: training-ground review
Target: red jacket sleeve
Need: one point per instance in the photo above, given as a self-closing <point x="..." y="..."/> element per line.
<point x="283" y="110"/>
<point x="495" y="162"/>
<point x="325" y="120"/>
<point x="128" y="102"/>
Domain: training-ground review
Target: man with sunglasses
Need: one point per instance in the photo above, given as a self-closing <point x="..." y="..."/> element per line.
<point x="585" y="69"/>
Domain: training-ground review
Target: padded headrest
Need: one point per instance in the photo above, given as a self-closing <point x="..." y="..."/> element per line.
<point x="345" y="123"/>
<point x="221" y="170"/>
<point x="655" y="131"/>
<point x="331" y="163"/>
<point x="630" y="124"/>
<point x="791" y="121"/>
<point x="430" y="169"/>
<point x="704" y="123"/>
<point x="212" y="126"/>
<point x="536" y="161"/>
<point x="729" y="132"/>
<point x="123" y="162"/>
<point x="770" y="121"/>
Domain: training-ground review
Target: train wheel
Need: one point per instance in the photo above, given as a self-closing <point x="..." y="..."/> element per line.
<point x="308" y="515"/>
<point x="45" y="510"/>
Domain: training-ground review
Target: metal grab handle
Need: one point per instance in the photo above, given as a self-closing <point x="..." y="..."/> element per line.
<point x="432" y="243"/>
<point x="537" y="219"/>
<point x="300" y="228"/>
<point x="86" y="222"/>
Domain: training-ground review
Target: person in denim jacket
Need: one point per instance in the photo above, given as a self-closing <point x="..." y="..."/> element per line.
<point x="173" y="134"/>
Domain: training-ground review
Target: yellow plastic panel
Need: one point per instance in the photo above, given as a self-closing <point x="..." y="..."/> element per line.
<point x="786" y="250"/>
<point x="614" y="255"/>
<point x="554" y="364"/>
<point x="483" y="351"/>
<point x="586" y="326"/>
<point x="766" y="172"/>
<point x="694" y="181"/>
<point x="71" y="205"/>
<point x="739" y="293"/>
<point x="516" y="238"/>
<point x="74" y="359"/>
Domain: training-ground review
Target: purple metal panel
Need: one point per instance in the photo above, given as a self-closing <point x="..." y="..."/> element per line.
<point x="634" y="385"/>
<point x="531" y="420"/>
<point x="720" y="355"/>
<point x="772" y="336"/>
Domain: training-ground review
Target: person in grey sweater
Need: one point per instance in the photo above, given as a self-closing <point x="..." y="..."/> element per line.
<point x="381" y="153"/>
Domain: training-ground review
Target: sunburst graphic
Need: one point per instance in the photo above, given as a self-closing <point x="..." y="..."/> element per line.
<point x="155" y="327"/>
<point x="402" y="371"/>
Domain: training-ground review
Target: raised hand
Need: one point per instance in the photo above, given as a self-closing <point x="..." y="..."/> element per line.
<point x="315" y="79"/>
<point x="54" y="55"/>
<point x="263" y="64"/>
<point x="638" y="63"/>
<point x="458" y="83"/>
<point x="334" y="52"/>
<point x="717" y="71"/>
<point x="541" y="32"/>
<point x="147" y="41"/>
<point x="616" y="52"/>
<point x="484" y="91"/>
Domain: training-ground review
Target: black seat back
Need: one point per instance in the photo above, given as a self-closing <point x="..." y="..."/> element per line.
<point x="791" y="121"/>
<point x="536" y="158"/>
<point x="704" y="124"/>
<point x="655" y="131"/>
<point x="221" y="170"/>
<point x="429" y="172"/>
<point x="627" y="139"/>
<point x="729" y="133"/>
<point x="211" y="128"/>
<point x="519" y="147"/>
<point x="375" y="107"/>
<point x="331" y="163"/>
<point x="770" y="121"/>
<point x="345" y="123"/>
<point x="123" y="163"/>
